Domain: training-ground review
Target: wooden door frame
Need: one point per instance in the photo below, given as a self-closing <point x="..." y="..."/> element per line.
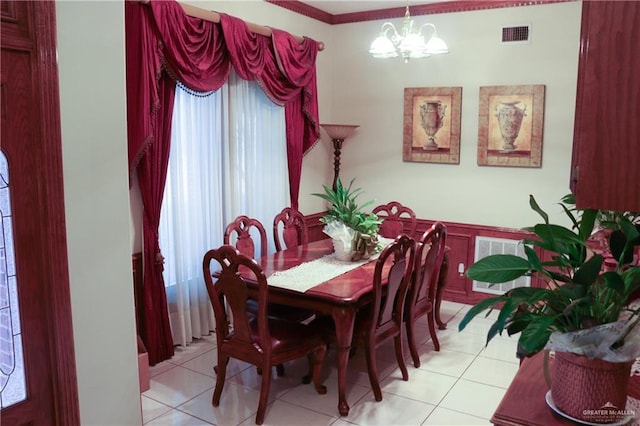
<point x="53" y="251"/>
<point x="65" y="392"/>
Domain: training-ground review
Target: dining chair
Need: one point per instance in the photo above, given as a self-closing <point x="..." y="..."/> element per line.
<point x="382" y="319"/>
<point x="425" y="279"/>
<point x="238" y="233"/>
<point x="258" y="339"/>
<point x="289" y="229"/>
<point x="394" y="219"/>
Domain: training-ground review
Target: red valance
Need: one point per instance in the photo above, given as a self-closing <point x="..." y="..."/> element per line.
<point x="199" y="54"/>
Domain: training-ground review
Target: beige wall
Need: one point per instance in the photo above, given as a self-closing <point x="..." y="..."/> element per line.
<point x="357" y="89"/>
<point x="103" y="224"/>
<point x="92" y="97"/>
<point x="466" y="192"/>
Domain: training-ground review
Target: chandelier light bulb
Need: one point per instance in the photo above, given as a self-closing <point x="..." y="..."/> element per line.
<point x="408" y="43"/>
<point x="382" y="47"/>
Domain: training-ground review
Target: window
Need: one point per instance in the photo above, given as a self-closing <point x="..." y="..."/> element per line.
<point x="12" y="378"/>
<point x="228" y="157"/>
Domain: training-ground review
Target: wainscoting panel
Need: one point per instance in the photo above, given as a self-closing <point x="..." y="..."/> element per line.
<point x="461" y="239"/>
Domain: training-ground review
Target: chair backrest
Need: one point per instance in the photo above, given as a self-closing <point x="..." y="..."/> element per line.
<point x="394" y="265"/>
<point x="429" y="255"/>
<point x="289" y="229"/>
<point x="228" y="295"/>
<point x="238" y="234"/>
<point x="392" y="225"/>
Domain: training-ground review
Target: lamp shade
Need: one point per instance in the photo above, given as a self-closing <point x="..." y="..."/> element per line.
<point x="436" y="45"/>
<point x="339" y="131"/>
<point x="382" y="47"/>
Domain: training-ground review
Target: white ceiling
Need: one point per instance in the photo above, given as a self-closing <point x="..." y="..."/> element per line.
<point x="338" y="7"/>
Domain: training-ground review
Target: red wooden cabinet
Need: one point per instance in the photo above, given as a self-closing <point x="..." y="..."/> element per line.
<point x="606" y="146"/>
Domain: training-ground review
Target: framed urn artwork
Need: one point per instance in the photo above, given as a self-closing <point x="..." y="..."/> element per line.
<point x="431" y="131"/>
<point x="510" y="125"/>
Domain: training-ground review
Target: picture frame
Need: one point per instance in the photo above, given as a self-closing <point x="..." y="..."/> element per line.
<point x="431" y="129"/>
<point x="510" y="125"/>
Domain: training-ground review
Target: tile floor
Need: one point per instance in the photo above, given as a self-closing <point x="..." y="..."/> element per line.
<point x="462" y="384"/>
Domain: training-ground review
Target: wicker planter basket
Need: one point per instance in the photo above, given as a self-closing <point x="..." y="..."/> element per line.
<point x="591" y="390"/>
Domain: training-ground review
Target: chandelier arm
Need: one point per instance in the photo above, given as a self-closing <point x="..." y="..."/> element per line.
<point x="388" y="26"/>
<point x="408" y="43"/>
<point x="429" y="25"/>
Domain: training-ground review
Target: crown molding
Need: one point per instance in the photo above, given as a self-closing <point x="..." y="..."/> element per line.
<point x="398" y="12"/>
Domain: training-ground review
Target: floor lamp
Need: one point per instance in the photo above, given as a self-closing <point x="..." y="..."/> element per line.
<point x="338" y="133"/>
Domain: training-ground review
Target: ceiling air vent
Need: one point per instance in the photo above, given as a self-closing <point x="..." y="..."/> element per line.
<point x="515" y="34"/>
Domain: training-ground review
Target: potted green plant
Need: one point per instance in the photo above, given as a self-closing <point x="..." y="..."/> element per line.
<point x="582" y="299"/>
<point x="354" y="231"/>
<point x="608" y="228"/>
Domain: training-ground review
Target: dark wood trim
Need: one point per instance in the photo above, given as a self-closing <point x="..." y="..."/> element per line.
<point x="314" y="226"/>
<point x="606" y="152"/>
<point x="304" y="9"/>
<point x="65" y="396"/>
<point x="483" y="230"/>
<point x="584" y="47"/>
<point x="461" y="239"/>
<point x="29" y="30"/>
<point x="398" y="12"/>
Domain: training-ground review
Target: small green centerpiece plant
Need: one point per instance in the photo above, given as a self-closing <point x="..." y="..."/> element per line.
<point x="354" y="231"/>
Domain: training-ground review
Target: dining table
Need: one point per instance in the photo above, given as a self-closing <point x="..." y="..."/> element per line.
<point x="307" y="276"/>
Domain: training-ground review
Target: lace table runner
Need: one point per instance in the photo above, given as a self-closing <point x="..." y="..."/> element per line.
<point x="309" y="274"/>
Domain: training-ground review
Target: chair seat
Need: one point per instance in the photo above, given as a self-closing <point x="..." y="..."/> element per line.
<point x="288" y="335"/>
<point x="421" y="308"/>
<point x="276" y="310"/>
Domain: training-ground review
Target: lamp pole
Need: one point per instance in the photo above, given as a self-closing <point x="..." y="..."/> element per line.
<point x="337" y="147"/>
<point x="338" y="133"/>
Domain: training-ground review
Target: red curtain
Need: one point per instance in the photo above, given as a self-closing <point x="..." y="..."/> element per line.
<point x="163" y="45"/>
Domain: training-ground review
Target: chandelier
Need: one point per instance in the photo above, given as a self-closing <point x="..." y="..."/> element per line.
<point x="408" y="43"/>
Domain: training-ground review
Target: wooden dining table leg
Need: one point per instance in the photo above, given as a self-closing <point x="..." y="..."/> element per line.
<point x="344" y="321"/>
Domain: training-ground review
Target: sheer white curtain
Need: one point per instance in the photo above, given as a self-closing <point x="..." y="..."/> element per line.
<point x="228" y="157"/>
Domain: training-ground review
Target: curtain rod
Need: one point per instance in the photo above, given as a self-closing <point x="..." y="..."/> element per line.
<point x="208" y="15"/>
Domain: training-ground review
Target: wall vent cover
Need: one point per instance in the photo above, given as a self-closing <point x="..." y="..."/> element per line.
<point x="517" y="34"/>
<point x="486" y="246"/>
